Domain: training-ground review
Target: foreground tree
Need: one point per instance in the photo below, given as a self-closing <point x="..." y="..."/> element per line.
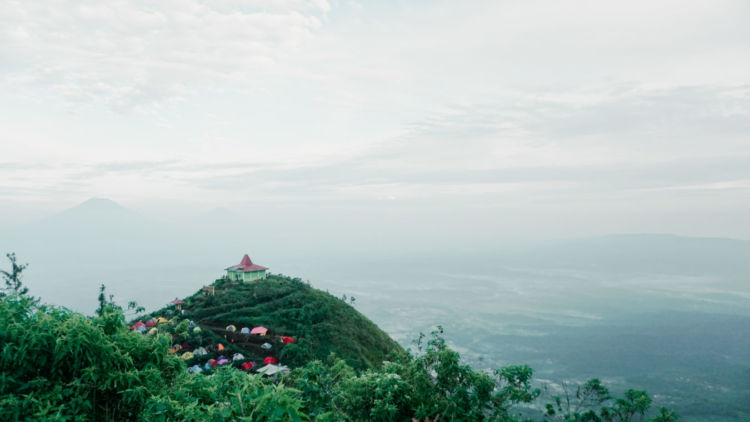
<point x="59" y="365"/>
<point x="592" y="402"/>
<point x="13" y="277"/>
<point x="433" y="385"/>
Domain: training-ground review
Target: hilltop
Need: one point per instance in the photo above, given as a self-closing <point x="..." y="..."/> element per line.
<point x="320" y="323"/>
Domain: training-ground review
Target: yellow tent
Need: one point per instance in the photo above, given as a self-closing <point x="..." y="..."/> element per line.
<point x="161" y="320"/>
<point x="152" y="331"/>
<point x="187" y="356"/>
<point x="231" y="328"/>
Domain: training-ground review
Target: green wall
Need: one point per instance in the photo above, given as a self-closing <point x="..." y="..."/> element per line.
<point x="246" y="276"/>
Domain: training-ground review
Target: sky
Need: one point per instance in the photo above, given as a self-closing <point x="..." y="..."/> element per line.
<point x="513" y="118"/>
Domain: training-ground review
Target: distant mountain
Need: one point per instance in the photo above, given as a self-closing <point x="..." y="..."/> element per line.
<point x="92" y="217"/>
<point x="647" y="253"/>
<point x="96" y="233"/>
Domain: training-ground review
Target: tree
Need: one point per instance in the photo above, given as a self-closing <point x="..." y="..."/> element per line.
<point x="13" y="278"/>
<point x="60" y="365"/>
<point x="102" y="301"/>
<point x="582" y="404"/>
<point x="635" y="402"/>
<point x="592" y="402"/>
<point x="665" y="415"/>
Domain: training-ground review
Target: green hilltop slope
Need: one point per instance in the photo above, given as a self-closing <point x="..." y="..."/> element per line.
<point x="320" y="323"/>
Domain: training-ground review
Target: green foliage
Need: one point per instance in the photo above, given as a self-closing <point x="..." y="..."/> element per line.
<point x="59" y="365"/>
<point x="228" y="395"/>
<point x="432" y="385"/>
<point x="665" y="415"/>
<point x="589" y="404"/>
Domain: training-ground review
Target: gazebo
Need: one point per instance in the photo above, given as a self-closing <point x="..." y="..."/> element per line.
<point x="246" y="271"/>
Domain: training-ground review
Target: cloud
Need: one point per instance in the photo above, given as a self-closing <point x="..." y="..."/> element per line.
<point x="135" y="54"/>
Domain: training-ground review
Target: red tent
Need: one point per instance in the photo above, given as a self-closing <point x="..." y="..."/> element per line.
<point x="286" y="339"/>
<point x="212" y="362"/>
<point x="178" y="302"/>
<point x="269" y="360"/>
<point x="247" y="366"/>
<point x="150" y="323"/>
<point x="137" y="324"/>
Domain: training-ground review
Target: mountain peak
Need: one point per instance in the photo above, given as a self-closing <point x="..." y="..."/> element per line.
<point x="98" y="212"/>
<point x="95" y="202"/>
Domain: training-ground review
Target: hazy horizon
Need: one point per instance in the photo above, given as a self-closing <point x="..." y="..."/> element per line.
<point x="484" y="118"/>
<point x="561" y="183"/>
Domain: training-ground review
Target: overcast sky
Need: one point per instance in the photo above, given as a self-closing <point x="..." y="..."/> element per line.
<point x="528" y="117"/>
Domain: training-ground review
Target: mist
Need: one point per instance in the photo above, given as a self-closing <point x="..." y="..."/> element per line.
<point x="563" y="185"/>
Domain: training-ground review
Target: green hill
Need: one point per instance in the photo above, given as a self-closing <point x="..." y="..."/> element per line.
<point x="320" y="323"/>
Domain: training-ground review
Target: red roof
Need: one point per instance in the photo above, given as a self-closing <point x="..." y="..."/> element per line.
<point x="247" y="265"/>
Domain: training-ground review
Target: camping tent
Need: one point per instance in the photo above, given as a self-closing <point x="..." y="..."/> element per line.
<point x="191" y="324"/>
<point x="152" y="331"/>
<point x="286" y="339"/>
<point x="266" y="346"/>
<point x="245" y="330"/>
<point x="220" y="347"/>
<point x="141" y="329"/>
<point x="187" y="356"/>
<point x="247" y="366"/>
<point x="261" y="331"/>
<point x="195" y="369"/>
<point x="270" y="359"/>
<point x="197" y="330"/>
<point x="200" y="351"/>
<point x="231" y="328"/>
<point x="161" y="320"/>
<point x="150" y="323"/>
<point x="222" y="360"/>
<point x="137" y="325"/>
<point x="238" y="356"/>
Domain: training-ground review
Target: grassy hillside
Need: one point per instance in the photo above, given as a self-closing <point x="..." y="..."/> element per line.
<point x="319" y="322"/>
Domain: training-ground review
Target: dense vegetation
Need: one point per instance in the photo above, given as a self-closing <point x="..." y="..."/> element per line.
<point x="56" y="364"/>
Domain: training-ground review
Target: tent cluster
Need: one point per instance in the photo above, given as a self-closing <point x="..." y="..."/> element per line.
<point x="189" y="354"/>
<point x="258" y="331"/>
<point x="149" y="326"/>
